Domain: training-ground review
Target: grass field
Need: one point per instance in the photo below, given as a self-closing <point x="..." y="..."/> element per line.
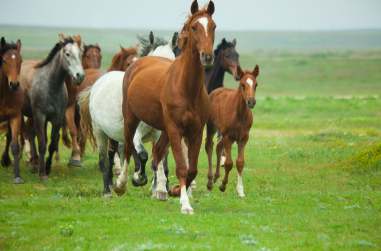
<point x="312" y="175"/>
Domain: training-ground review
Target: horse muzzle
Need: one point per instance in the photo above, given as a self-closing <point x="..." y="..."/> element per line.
<point x="234" y="71"/>
<point x="251" y="103"/>
<point x="206" y="59"/>
<point x="14" y="85"/>
<point x="79" y="77"/>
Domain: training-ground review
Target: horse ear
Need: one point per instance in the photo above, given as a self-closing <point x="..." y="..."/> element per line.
<point x="194" y="7"/>
<point x="18" y="45"/>
<point x="234" y="42"/>
<point x="3" y="42"/>
<point x="98" y="47"/>
<point x="174" y="39"/>
<point x="61" y="37"/>
<point x="210" y="8"/>
<point x="256" y="71"/>
<point x="223" y="42"/>
<point x="151" y="38"/>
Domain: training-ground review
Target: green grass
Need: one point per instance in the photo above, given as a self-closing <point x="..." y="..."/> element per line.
<point x="312" y="176"/>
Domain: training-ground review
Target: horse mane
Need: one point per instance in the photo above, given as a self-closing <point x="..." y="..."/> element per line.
<point x="57" y="47"/>
<point x="222" y="46"/>
<point x="147" y="47"/>
<point x="91" y="46"/>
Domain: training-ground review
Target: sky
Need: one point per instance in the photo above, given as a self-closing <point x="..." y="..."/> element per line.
<point x="299" y="15"/>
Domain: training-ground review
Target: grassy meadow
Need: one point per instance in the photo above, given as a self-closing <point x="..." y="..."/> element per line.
<point x="313" y="162"/>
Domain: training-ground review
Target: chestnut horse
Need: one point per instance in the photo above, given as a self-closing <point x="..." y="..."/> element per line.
<point x="91" y="62"/>
<point x="170" y="96"/>
<point x="11" y="100"/>
<point x="230" y="114"/>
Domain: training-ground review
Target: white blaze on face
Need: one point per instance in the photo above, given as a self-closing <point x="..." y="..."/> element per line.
<point x="250" y="82"/>
<point x="204" y="22"/>
<point x="13" y="56"/>
<point x="74" y="61"/>
<point x="134" y="59"/>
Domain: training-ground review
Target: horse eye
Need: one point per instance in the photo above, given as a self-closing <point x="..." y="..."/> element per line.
<point x="193" y="28"/>
<point x="67" y="54"/>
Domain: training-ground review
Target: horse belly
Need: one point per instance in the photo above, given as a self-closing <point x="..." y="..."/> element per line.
<point x="106" y="105"/>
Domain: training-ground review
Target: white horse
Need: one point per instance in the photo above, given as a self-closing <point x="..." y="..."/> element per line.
<point x="104" y="103"/>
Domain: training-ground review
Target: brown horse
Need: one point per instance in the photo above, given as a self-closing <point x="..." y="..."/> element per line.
<point x="91" y="61"/>
<point x="11" y="99"/>
<point x="170" y="96"/>
<point x="230" y="114"/>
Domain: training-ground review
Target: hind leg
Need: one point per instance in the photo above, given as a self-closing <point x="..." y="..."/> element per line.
<point x="39" y="125"/>
<point x="75" y="159"/>
<point x="228" y="163"/>
<point x="160" y="168"/>
<point x="130" y="124"/>
<point x="53" y="147"/>
<point x="141" y="157"/>
<point x="104" y="162"/>
<point x="219" y="149"/>
<point x="209" y="150"/>
<point x="5" y="159"/>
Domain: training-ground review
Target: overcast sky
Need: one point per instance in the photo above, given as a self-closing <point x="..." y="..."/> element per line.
<point x="170" y="14"/>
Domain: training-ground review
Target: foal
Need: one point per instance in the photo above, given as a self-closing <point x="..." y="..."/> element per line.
<point x="11" y="100"/>
<point x="230" y="114"/>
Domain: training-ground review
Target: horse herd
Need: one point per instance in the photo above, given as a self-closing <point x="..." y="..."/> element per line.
<point x="164" y="93"/>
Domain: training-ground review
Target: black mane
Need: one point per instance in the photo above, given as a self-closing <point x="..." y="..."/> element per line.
<point x="54" y="51"/>
<point x="147" y="47"/>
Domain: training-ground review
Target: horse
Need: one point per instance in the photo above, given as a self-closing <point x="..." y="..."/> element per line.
<point x="230" y="114"/>
<point x="104" y="120"/>
<point x="226" y="60"/>
<point x="170" y="96"/>
<point x="47" y="95"/>
<point x="11" y="101"/>
<point x="91" y="62"/>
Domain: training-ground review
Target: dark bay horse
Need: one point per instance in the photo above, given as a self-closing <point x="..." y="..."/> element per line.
<point x="226" y="59"/>
<point x="230" y="114"/>
<point x="170" y="96"/>
<point x="11" y="101"/>
<point x="47" y="96"/>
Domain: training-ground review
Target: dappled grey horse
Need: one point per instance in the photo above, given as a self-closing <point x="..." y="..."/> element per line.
<point x="47" y="95"/>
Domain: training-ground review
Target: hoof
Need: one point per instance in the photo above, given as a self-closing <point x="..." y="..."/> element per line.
<point x="193" y="185"/>
<point x="119" y="190"/>
<point x="209" y="186"/>
<point x="117" y="171"/>
<point x="44" y="177"/>
<point x="75" y="163"/>
<point x="222" y="188"/>
<point x="107" y="195"/>
<point x="139" y="181"/>
<point x="215" y="178"/>
<point x="6" y="161"/>
<point x="241" y="195"/>
<point x="160" y="195"/>
<point x="18" y="180"/>
<point x="187" y="210"/>
<point x="175" y="191"/>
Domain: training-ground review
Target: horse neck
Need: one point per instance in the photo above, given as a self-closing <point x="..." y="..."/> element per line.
<point x="56" y="73"/>
<point x="215" y="76"/>
<point x="4" y="90"/>
<point x="192" y="77"/>
<point x="241" y="107"/>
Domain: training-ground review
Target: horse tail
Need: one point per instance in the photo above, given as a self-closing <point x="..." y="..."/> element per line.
<point x="65" y="138"/>
<point x="86" y="125"/>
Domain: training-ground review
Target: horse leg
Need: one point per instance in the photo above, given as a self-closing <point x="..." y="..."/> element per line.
<point x="141" y="158"/>
<point x="39" y="125"/>
<point x="75" y="159"/>
<point x="130" y="124"/>
<point x="219" y="149"/>
<point x="175" y="139"/>
<point x="240" y="162"/>
<point x="5" y="159"/>
<point x="119" y="158"/>
<point x="159" y="166"/>
<point x="15" y="124"/>
<point x="194" y="145"/>
<point x="30" y="134"/>
<point x="104" y="162"/>
<point x="53" y="147"/>
<point x="228" y="162"/>
<point x="209" y="150"/>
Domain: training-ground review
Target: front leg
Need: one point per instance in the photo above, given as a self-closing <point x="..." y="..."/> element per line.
<point x="15" y="124"/>
<point x="240" y="162"/>
<point x="53" y="147"/>
<point x="75" y="159"/>
<point x="39" y="125"/>
<point x="5" y="159"/>
<point x="228" y="162"/>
